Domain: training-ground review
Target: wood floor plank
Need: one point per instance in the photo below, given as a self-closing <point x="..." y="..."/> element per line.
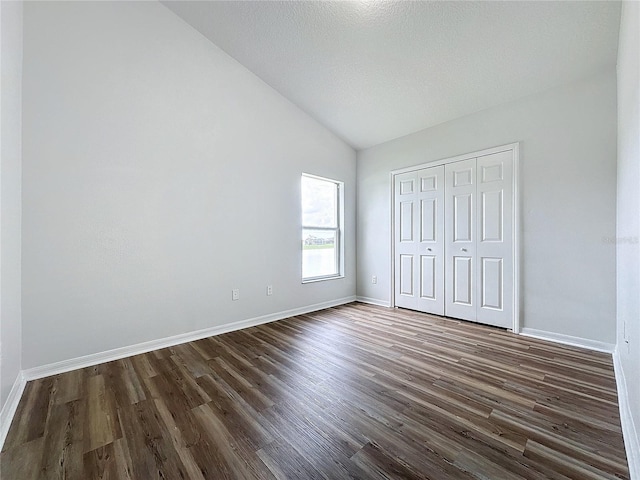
<point x="377" y="464"/>
<point x="481" y="467"/>
<point x="286" y="462"/>
<point x="31" y="415"/>
<point x="69" y="386"/>
<point x="151" y="451"/>
<point x="355" y="391"/>
<point x="106" y="463"/>
<point x="23" y="462"/>
<point x="565" y="463"/>
<point x="323" y="452"/>
<point x="237" y="415"/>
<point x="101" y="425"/>
<point x="561" y="444"/>
<point x="177" y="435"/>
<point x="63" y="441"/>
<point x="242" y="460"/>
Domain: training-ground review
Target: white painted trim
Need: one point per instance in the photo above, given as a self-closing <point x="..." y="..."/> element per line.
<point x="123" y="352"/>
<point x="392" y="244"/>
<point x="516" y="253"/>
<point x="373" y="301"/>
<point x="10" y="406"/>
<point x="568" y="340"/>
<point x="629" y="430"/>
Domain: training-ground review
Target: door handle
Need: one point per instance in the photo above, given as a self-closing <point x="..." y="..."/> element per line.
<point x="428" y="249"/>
<point x="463" y="249"/>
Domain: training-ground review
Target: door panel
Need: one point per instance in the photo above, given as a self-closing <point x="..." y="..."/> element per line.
<point x="462" y="280"/>
<point x="428" y="277"/>
<point x="460" y="226"/>
<point x="429" y="182"/>
<point x="494" y="249"/>
<point x="428" y="219"/>
<point x="463" y="176"/>
<point x="491" y="173"/>
<point x="492" y="286"/>
<point x="406" y="221"/>
<point x="406" y="275"/>
<point x="419" y="240"/>
<point x="463" y="218"/>
<point x="406" y="187"/>
<point x="491" y="216"/>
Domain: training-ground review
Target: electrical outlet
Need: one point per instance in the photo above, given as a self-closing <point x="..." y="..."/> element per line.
<point x="269" y="289"/>
<point x="235" y="294"/>
<point x="374" y="279"/>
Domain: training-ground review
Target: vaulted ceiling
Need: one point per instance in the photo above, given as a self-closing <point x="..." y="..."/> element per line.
<point x="373" y="71"/>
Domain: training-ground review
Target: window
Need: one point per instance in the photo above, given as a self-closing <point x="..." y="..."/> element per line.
<point x="321" y="228"/>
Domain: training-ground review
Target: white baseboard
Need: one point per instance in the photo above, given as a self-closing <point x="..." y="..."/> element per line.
<point x="569" y="340"/>
<point x="123" y="352"/>
<point x="629" y="430"/>
<point x="374" y="301"/>
<point x="10" y="406"/>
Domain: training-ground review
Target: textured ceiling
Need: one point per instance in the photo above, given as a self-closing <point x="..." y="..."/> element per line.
<point x="373" y="71"/>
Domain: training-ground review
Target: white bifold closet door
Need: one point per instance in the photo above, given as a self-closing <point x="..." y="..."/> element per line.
<point x="479" y="239"/>
<point x="454" y="239"/>
<point x="419" y="240"/>
<point x="494" y="246"/>
<point x="460" y="235"/>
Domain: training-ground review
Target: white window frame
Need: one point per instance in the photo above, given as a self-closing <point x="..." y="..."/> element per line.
<point x="339" y="229"/>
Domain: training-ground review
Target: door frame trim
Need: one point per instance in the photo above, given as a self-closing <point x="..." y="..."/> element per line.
<point x="516" y="248"/>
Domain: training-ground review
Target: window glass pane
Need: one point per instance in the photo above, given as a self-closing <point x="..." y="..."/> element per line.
<point x="319" y="253"/>
<point x="319" y="203"/>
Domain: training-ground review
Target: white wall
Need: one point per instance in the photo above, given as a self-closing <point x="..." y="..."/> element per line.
<point x="158" y="175"/>
<point x="10" y="171"/>
<point x="568" y="185"/>
<point x="628" y="227"/>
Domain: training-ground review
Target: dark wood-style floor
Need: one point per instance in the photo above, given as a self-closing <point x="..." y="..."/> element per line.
<point x="349" y="392"/>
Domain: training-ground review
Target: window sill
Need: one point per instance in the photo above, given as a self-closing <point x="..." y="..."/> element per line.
<point x="322" y="279"/>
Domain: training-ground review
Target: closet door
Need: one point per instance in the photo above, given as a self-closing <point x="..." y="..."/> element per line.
<point x="494" y="246"/>
<point x="460" y="240"/>
<point x="419" y="240"/>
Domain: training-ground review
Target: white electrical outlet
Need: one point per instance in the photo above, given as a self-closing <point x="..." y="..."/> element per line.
<point x="269" y="289"/>
<point x="235" y="294"/>
<point x="374" y="279"/>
